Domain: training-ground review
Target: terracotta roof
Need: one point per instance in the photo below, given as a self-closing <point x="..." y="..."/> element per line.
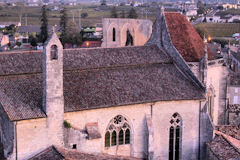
<point x="50" y="153"/>
<point x="53" y="153"/>
<point x="222" y="149"/>
<point x="233" y="131"/>
<point x="94" y="78"/>
<point x="185" y="38"/>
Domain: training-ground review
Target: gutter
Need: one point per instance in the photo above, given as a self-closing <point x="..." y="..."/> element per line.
<point x="15" y="128"/>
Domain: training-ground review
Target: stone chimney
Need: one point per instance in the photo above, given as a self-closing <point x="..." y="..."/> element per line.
<point x="53" y="100"/>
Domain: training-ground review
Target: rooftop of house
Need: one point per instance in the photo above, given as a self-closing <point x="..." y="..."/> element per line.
<point x="185" y="38"/>
<point x="55" y="153"/>
<point x="222" y="149"/>
<point x="108" y="77"/>
<point x="233" y="131"/>
<point x="234" y="79"/>
<point x="33" y="29"/>
<point x="233" y="108"/>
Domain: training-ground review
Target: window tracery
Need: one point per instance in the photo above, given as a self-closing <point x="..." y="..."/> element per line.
<point x="175" y="137"/>
<point x="118" y="132"/>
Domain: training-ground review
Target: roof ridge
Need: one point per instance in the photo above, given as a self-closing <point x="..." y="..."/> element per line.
<point x="89" y="69"/>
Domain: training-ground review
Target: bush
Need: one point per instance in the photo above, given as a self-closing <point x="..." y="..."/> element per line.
<point x="84" y="15"/>
<point x="66" y="124"/>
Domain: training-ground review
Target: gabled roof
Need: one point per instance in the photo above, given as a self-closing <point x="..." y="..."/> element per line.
<point x="185" y="38"/>
<point x="94" y="78"/>
<point x="222" y="149"/>
<point x="56" y="153"/>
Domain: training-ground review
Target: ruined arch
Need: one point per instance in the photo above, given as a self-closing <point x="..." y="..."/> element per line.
<point x="127" y="28"/>
<point x="113" y="28"/>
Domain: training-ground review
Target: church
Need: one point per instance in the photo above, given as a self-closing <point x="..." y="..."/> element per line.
<point x="135" y="102"/>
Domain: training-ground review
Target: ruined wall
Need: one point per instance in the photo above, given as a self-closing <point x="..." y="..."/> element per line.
<point x="139" y="29"/>
<point x="161" y="113"/>
<point x="6" y="134"/>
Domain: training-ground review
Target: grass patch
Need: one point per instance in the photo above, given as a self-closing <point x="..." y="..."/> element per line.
<point x="66" y="124"/>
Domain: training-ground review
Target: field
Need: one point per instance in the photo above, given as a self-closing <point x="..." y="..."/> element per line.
<point x="219" y="29"/>
<point x="31" y="15"/>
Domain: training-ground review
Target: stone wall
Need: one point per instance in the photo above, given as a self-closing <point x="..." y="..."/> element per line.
<point x="140" y="30"/>
<point x="161" y="113"/>
<point x="32" y="137"/>
<point x="6" y="134"/>
<point x="217" y="79"/>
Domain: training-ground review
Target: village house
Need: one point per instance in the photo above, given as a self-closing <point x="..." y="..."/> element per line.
<point x="135" y="101"/>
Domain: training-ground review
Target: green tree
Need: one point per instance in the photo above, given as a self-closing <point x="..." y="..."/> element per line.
<point x="123" y="14"/>
<point x="114" y="13"/>
<point x="44" y="24"/>
<point x="63" y="25"/>
<point x="18" y="44"/>
<point x="33" y="40"/>
<point x="84" y="15"/>
<point x="132" y="13"/>
<point x="104" y="2"/>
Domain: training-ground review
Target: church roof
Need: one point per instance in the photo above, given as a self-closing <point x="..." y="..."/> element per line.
<point x="94" y="78"/>
<point x="185" y="38"/>
<point x="54" y="153"/>
<point x="222" y="149"/>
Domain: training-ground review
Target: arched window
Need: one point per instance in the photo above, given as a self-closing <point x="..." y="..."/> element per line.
<point x="118" y="132"/>
<point x="54" y="52"/>
<point x="129" y="41"/>
<point x="114" y="35"/>
<point x="107" y="139"/>
<point x="175" y="137"/>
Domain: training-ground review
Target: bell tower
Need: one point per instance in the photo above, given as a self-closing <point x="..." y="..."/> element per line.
<point x="53" y="100"/>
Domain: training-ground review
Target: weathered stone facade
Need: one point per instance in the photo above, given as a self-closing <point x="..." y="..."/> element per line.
<point x="164" y="101"/>
<point x="139" y="29"/>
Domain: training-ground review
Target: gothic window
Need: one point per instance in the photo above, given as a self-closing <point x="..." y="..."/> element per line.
<point x="129" y="41"/>
<point x="54" y="52"/>
<point x="175" y="137"/>
<point x="114" y="35"/>
<point x="118" y="132"/>
<point x="107" y="139"/>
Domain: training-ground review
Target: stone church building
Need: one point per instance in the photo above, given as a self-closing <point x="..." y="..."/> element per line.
<point x="136" y="101"/>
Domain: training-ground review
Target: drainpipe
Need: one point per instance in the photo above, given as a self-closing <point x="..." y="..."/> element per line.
<point x="199" y="133"/>
<point x="15" y="127"/>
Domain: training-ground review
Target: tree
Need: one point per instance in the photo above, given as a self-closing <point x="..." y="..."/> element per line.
<point x="63" y="25"/>
<point x="104" y="2"/>
<point x="18" y="44"/>
<point x="123" y="14"/>
<point x="33" y="40"/>
<point x="132" y="13"/>
<point x="114" y="13"/>
<point x="44" y="24"/>
<point x="84" y="15"/>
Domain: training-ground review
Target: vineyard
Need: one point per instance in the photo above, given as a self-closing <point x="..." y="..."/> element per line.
<point x="219" y="29"/>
